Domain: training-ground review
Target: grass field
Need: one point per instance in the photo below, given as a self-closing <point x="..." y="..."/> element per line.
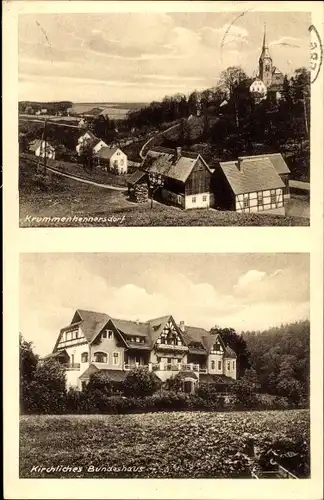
<point x="68" y="198"/>
<point x="159" y="445"/>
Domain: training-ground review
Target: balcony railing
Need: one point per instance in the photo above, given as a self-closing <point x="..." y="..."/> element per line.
<point x="177" y="367"/>
<point x="132" y="366"/>
<point x="72" y="366"/>
<point x="171" y="347"/>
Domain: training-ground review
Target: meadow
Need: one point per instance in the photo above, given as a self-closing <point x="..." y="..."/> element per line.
<point x="161" y="445"/>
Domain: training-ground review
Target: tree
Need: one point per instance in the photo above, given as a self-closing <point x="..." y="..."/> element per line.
<point x="28" y="363"/>
<point x="48" y="388"/>
<point x="238" y="344"/>
<point x="231" y="78"/>
<point x="140" y="382"/>
<point x="246" y="388"/>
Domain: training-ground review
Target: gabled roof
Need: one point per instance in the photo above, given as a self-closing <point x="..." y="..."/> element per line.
<point x="155" y="327"/>
<point x="207" y="378"/>
<point x="166" y="162"/>
<point x="229" y="353"/>
<point x="136" y="177"/>
<point x="276" y="159"/>
<point x="36" y="143"/>
<point x="92" y="323"/>
<point x="106" y="152"/>
<point x="91" y="134"/>
<point x="254" y="174"/>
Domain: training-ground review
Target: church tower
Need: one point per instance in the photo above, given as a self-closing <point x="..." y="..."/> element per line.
<point x="265" y="63"/>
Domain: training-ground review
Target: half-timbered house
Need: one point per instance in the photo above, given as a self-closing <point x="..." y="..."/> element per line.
<point x="95" y="341"/>
<point x="250" y="184"/>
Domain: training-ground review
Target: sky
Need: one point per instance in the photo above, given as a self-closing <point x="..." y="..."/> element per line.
<point x="242" y="291"/>
<point x="141" y="57"/>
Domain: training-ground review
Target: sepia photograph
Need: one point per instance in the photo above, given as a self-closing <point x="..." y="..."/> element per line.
<point x="127" y="371"/>
<point x="165" y="118"/>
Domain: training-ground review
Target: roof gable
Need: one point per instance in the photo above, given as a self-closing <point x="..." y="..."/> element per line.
<point x="165" y="162"/>
<point x="276" y="159"/>
<point x="254" y="174"/>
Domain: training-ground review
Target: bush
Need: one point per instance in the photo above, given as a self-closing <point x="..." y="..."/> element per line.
<point x="141" y="382"/>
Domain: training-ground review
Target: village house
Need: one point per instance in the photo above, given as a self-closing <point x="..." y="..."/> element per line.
<point x="280" y="166"/>
<point x="180" y="178"/>
<point x="38" y="147"/>
<point x="113" y="159"/>
<point x="95" y="341"/>
<point x="250" y="184"/>
<point x="88" y="139"/>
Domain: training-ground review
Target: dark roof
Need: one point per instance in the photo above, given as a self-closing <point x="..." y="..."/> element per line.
<point x="254" y="174"/>
<point x="106" y="152"/>
<point x="276" y="159"/>
<point x="114" y="375"/>
<point x="229" y="353"/>
<point x="165" y="161"/>
<point x="93" y="322"/>
<point x="136" y="177"/>
<point x="207" y="378"/>
<point x="187" y="374"/>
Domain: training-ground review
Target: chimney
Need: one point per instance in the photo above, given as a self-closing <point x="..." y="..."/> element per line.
<point x="239" y="164"/>
<point x="182" y="326"/>
<point x="178" y="152"/>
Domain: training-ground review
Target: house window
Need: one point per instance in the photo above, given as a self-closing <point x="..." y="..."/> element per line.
<point x="246" y="201"/>
<point x="116" y="358"/>
<point x="204" y="198"/>
<point x="228" y="365"/>
<point x="100" y="357"/>
<point x="122" y="162"/>
<point x="107" y="334"/>
<point x="193" y="199"/>
<point x="84" y="357"/>
<point x="273" y="196"/>
<point x="137" y="339"/>
<point x="213" y="365"/>
<point x="83" y="385"/>
<point x="260" y="198"/>
<point x="267" y="68"/>
<point x="219" y="365"/>
<point x="233" y="365"/>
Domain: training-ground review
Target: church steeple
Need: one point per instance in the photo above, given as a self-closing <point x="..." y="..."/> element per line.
<point x="265" y="62"/>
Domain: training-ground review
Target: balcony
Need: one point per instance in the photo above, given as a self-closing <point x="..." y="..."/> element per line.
<point x="171" y="347"/>
<point x="177" y="367"/>
<point x="132" y="366"/>
<point x="72" y="366"/>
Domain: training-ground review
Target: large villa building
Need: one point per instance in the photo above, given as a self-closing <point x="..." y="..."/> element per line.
<point x="94" y="341"/>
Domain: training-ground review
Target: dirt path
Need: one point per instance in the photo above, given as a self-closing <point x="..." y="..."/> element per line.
<point x="85" y="181"/>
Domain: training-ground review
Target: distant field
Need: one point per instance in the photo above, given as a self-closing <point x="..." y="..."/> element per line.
<point x="159" y="445"/>
<point x="114" y="110"/>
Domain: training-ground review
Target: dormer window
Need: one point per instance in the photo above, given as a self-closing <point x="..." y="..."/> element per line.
<point x="107" y="334"/>
<point x="137" y="339"/>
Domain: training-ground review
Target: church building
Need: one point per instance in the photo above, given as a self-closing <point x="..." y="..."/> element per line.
<point x="269" y="79"/>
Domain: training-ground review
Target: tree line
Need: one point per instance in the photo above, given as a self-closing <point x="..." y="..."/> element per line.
<point x="233" y="123"/>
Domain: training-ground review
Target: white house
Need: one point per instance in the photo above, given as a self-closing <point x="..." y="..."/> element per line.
<point x="38" y="148"/>
<point x="113" y="159"/>
<point x="89" y="139"/>
<point x="95" y="341"/>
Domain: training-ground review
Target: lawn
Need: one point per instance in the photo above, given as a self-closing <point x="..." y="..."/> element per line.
<point x="68" y="198"/>
<point x="159" y="445"/>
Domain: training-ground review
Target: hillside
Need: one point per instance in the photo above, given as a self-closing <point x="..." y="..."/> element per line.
<point x="280" y="357"/>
